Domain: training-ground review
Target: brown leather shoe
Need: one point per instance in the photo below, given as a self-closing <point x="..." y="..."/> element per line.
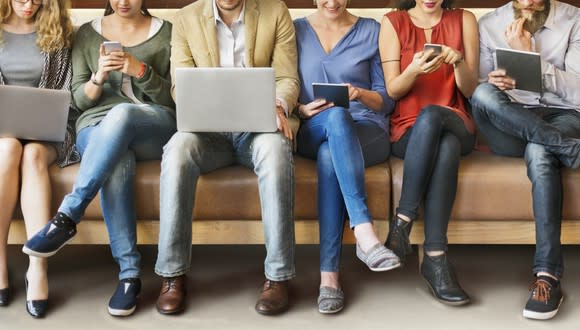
<point x="273" y="298"/>
<point x="172" y="296"/>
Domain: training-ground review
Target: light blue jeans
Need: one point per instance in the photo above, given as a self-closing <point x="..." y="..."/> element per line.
<point x="129" y="132"/>
<point x="187" y="155"/>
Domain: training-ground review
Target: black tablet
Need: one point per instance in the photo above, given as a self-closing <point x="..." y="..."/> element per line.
<point x="335" y="93"/>
<point x="524" y="67"/>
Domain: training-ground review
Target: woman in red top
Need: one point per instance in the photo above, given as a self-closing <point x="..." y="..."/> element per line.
<point x="430" y="127"/>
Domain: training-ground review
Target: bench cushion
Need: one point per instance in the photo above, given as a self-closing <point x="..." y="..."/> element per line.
<point x="230" y="193"/>
<point x="492" y="187"/>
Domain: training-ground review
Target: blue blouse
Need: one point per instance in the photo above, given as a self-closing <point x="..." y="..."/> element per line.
<point x="355" y="60"/>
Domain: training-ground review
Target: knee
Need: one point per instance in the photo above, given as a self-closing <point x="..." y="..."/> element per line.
<point x="125" y="169"/>
<point x="539" y="161"/>
<point x="178" y="150"/>
<point x="323" y="160"/>
<point x="272" y="150"/>
<point x="450" y="148"/>
<point x="120" y="116"/>
<point x="35" y="156"/>
<point x="339" y="120"/>
<point x="483" y="97"/>
<point x="11" y="151"/>
<point x="429" y="117"/>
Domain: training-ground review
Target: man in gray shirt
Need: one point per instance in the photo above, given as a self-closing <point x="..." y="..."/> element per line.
<point x="543" y="127"/>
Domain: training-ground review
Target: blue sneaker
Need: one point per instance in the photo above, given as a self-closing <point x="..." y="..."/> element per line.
<point x="124" y="300"/>
<point x="58" y="231"/>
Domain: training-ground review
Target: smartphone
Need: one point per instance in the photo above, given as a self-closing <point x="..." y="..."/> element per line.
<point x="112" y="46"/>
<point x="437" y="49"/>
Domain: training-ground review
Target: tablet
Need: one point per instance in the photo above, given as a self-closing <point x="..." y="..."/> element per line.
<point x="335" y="93"/>
<point x="524" y="67"/>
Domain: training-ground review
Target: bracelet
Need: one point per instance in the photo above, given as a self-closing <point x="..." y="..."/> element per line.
<point x="142" y="71"/>
<point x="95" y="82"/>
<point x="387" y="61"/>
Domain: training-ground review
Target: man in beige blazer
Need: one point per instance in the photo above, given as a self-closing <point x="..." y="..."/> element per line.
<point x="232" y="33"/>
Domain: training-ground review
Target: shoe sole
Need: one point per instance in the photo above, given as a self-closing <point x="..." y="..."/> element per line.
<point x="271" y="313"/>
<point x="44" y="254"/>
<point x="446" y="302"/>
<point x="542" y="316"/>
<point x="334" y="311"/>
<point x="384" y="269"/>
<point x="121" y="312"/>
<point x="170" y="312"/>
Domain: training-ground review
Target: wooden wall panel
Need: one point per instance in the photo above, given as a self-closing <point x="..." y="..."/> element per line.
<point x="307" y="3"/>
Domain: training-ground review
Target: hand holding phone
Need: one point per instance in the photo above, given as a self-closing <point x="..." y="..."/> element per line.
<point x="437" y="50"/>
<point x="112" y="46"/>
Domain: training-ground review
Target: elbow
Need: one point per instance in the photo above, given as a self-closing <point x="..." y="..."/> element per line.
<point x="468" y="90"/>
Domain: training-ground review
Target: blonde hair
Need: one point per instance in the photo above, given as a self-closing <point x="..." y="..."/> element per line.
<point x="52" y="24"/>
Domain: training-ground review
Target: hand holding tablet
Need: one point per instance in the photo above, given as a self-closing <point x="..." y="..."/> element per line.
<point x="335" y="93"/>
<point x="524" y="67"/>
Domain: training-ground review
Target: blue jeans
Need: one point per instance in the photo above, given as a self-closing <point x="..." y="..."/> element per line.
<point x="514" y="130"/>
<point x="432" y="149"/>
<point x="188" y="155"/>
<point x="342" y="148"/>
<point x="129" y="132"/>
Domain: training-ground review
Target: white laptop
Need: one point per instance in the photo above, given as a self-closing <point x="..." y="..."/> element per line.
<point x="33" y="113"/>
<point x="225" y="99"/>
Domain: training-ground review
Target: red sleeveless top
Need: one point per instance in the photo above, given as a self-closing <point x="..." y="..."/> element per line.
<point x="438" y="87"/>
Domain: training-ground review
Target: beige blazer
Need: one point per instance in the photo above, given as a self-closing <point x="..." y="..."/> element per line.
<point x="270" y="42"/>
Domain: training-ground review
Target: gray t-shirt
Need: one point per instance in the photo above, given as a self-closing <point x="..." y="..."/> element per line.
<point x="21" y="61"/>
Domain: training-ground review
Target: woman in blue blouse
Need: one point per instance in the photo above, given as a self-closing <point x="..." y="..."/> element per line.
<point x="335" y="46"/>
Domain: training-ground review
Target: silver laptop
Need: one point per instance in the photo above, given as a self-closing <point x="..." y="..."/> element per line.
<point x="225" y="99"/>
<point x="33" y="113"/>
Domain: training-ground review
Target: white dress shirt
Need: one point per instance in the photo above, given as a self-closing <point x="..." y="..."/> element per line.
<point x="232" y="43"/>
<point x="558" y="43"/>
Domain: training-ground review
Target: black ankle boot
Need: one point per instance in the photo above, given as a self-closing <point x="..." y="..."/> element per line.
<point x="439" y="274"/>
<point x="398" y="237"/>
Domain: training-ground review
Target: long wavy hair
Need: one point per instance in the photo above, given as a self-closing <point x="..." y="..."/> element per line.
<point x="52" y="24"/>
<point x="408" y="4"/>
<point x="109" y="10"/>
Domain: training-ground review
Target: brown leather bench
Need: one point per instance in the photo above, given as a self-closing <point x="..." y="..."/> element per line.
<point x="227" y="209"/>
<point x="494" y="202"/>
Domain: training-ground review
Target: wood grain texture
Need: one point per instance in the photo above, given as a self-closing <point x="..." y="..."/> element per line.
<point x="250" y="232"/>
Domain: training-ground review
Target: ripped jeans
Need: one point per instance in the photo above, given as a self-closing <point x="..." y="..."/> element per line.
<point x="129" y="132"/>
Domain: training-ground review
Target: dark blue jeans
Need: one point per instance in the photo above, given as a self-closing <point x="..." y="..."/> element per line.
<point x="342" y="149"/>
<point x="432" y="149"/>
<point x="511" y="129"/>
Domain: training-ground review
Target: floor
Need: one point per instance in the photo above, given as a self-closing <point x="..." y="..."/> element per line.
<point x="224" y="282"/>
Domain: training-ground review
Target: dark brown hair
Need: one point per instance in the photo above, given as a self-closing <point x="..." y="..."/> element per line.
<point x="408" y="4"/>
<point x="109" y="10"/>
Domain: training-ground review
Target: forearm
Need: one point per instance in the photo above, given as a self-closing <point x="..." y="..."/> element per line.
<point x="465" y="78"/>
<point x="370" y="99"/>
<point x="402" y="84"/>
<point x="93" y="88"/>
